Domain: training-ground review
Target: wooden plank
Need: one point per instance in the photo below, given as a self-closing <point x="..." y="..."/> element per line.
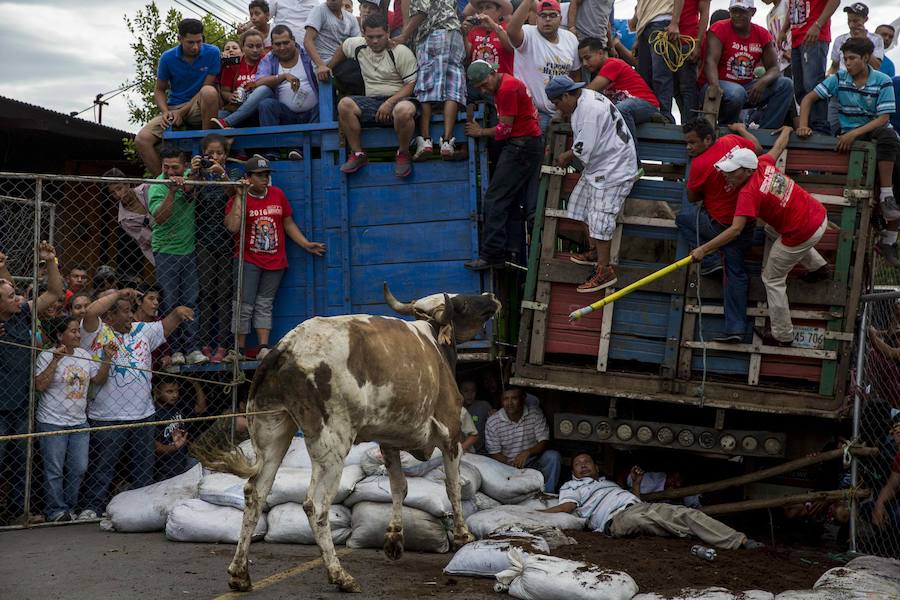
<point x="829" y="199"/>
<point x="562" y="270"/>
<point x="763" y="311"/>
<point x="761" y="349"/>
<point x="606" y="324"/>
<point x="756" y="357"/>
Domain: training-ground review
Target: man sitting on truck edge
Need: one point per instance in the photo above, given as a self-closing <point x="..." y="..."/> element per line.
<point x="866" y="102"/>
<point x="390" y="78"/>
<point x="617" y="512"/>
<point x="794" y="219"/>
<point x="710" y="211"/>
<point x="185" y="92"/>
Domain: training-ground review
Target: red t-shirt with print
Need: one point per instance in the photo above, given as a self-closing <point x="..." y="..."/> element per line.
<point x="486" y="46"/>
<point x="264" y="245"/>
<point x="625" y="79"/>
<point x="234" y="76"/>
<point x="689" y="23"/>
<point x="704" y="178"/>
<point x="740" y="55"/>
<point x="775" y="198"/>
<point x="803" y="14"/>
<point x="513" y="100"/>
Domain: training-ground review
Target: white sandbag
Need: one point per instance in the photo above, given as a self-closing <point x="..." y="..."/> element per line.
<point x="146" y="508"/>
<point x="291" y="485"/>
<point x="469" y="479"/>
<point x="710" y="593"/>
<point x="288" y="524"/>
<point x="358" y="451"/>
<point x="888" y="568"/>
<point x="540" y="500"/>
<point x="470" y="507"/>
<point x="858" y="583"/>
<point x="199" y="521"/>
<point x="539" y="577"/>
<point x="503" y="482"/>
<point x="554" y="536"/>
<point x="486" y="558"/>
<point x="421" y="531"/>
<point x="372" y="463"/>
<point x="223" y="489"/>
<point x="422" y="494"/>
<point x="484" y="522"/>
<point x="821" y="594"/>
<point x="485" y="502"/>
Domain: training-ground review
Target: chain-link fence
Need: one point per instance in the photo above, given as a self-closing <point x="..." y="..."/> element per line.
<point x="876" y="422"/>
<point x="120" y="336"/>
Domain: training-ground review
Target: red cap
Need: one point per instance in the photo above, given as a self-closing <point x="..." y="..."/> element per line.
<point x="547" y="5"/>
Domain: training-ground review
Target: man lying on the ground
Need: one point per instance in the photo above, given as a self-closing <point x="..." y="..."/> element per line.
<point x="617" y="512"/>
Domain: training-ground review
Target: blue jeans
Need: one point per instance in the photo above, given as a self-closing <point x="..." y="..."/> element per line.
<point x="808" y="64"/>
<point x="250" y="106"/>
<point x="636" y="111"/>
<point x="65" y="462"/>
<point x="771" y="109"/>
<point x="273" y="112"/>
<point x="687" y="95"/>
<point x="735" y="281"/>
<point x="107" y="448"/>
<point x="653" y="69"/>
<point x="12" y="422"/>
<point x="178" y="278"/>
<point x="547" y="463"/>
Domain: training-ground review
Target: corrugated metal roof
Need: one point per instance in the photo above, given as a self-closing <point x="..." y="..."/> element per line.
<point x="8" y="106"/>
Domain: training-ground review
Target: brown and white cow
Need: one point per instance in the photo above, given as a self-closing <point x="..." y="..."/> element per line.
<point x="352" y="379"/>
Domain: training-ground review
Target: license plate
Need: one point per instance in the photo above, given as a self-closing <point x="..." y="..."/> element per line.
<point x="809" y="337"/>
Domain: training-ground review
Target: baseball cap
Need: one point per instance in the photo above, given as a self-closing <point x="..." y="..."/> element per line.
<point x="857" y="8"/>
<point x="738" y="158"/>
<point x="548" y="5"/>
<point x="561" y="84"/>
<point x="744" y="4"/>
<point x="375" y="2"/>
<point x="479" y="70"/>
<point x="256" y="163"/>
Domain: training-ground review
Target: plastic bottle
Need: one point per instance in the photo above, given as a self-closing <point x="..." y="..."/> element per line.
<point x="703" y="552"/>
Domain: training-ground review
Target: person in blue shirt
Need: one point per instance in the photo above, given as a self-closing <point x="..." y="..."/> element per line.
<point x="887" y="34"/>
<point x="185" y="92"/>
<point x="866" y="102"/>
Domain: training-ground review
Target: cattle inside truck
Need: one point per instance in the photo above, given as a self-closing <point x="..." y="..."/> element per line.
<point x="642" y="372"/>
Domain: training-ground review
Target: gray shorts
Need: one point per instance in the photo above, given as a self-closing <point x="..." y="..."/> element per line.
<point x="369" y="106"/>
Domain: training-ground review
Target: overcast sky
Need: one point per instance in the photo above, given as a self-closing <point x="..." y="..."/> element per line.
<point x="85" y="49"/>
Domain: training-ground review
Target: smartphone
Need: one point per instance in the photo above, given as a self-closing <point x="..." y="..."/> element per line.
<point x="232" y="60"/>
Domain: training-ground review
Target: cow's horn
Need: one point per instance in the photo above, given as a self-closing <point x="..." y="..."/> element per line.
<point x="403" y="308"/>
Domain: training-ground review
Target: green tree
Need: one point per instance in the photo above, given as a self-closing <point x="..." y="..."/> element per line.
<point x="153" y="34"/>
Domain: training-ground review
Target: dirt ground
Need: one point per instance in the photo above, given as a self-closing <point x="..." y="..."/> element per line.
<point x="82" y="562"/>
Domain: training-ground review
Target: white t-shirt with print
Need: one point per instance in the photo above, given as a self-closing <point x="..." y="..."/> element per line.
<point x="838" y="56"/>
<point x="304" y="99"/>
<point x="126" y="395"/>
<point x="537" y="61"/>
<point x="64" y="403"/>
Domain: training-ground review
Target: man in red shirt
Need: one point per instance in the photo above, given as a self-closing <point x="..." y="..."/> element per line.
<point x="486" y="39"/>
<point x="710" y="211"/>
<point x="793" y="218"/>
<point x="809" y="23"/>
<point x="735" y="49"/>
<point x="520" y="158"/>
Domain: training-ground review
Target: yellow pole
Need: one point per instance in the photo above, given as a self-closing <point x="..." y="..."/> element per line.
<point x="575" y="315"/>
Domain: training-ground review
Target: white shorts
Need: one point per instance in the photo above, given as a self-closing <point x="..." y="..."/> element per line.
<point x="598" y="207"/>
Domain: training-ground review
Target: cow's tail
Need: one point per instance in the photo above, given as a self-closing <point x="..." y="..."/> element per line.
<point x="233" y="460"/>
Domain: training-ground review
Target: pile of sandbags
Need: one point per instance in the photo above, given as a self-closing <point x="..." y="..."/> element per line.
<point x="147" y="508"/>
<point x="862" y="578"/>
<point x="199" y="521"/>
<point x="504" y="483"/>
<point x="288" y="524"/>
<point x="422" y="532"/>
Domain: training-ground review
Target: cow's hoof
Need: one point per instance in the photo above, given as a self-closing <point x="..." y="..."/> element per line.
<point x="461" y="540"/>
<point x="240" y="583"/>
<point x="348" y="584"/>
<point x="393" y="545"/>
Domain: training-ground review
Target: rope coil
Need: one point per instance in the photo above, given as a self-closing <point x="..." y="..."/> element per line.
<point x="675" y="55"/>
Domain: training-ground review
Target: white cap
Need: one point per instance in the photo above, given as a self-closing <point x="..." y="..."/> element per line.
<point x="738" y="158"/>
<point x="745" y="4"/>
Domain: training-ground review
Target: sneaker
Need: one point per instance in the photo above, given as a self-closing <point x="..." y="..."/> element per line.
<point x="87" y="515"/>
<point x="263" y="351"/>
<point x="889" y="208"/>
<point x="602" y="278"/>
<point x="584" y="258"/>
<point x="355" y="162"/>
<point x="295" y="155"/>
<point x="177" y="359"/>
<point x="218" y="355"/>
<point x="481" y="264"/>
<point x="889" y="253"/>
<point x="770" y="340"/>
<point x="752" y="544"/>
<point x="219" y="124"/>
<point x="448" y="148"/>
<point x="194" y="358"/>
<point x="424" y="147"/>
<point x="73" y="516"/>
<point x="233" y="356"/>
<point x="729" y="338"/>
<point x="62" y="517"/>
<point x="403" y="164"/>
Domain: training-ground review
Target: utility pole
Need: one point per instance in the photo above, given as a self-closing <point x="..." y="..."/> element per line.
<point x="100" y="103"/>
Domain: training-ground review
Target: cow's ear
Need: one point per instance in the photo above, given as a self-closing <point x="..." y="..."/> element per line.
<point x="444" y="318"/>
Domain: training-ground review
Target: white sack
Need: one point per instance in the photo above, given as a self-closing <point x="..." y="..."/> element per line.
<point x="421" y="531"/>
<point x="553" y="536"/>
<point x="469" y="508"/>
<point x="223" y="489"/>
<point x="199" y="521"/>
<point x="484" y="522"/>
<point x="358" y="451"/>
<point x="485" y="502"/>
<point x="888" y="568"/>
<point x="539" y="501"/>
<point x="296" y="457"/>
<point x="469" y="479"/>
<point x="858" y="583"/>
<point x="288" y="524"/>
<point x="710" y="593"/>
<point x="291" y="485"/>
<point x="503" y="482"/>
<point x="372" y="462"/>
<point x="146" y="508"/>
<point x="538" y="577"/>
<point x="422" y="494"/>
<point x="486" y="558"/>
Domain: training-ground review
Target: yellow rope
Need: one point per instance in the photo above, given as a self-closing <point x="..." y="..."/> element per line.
<point x="675" y="55"/>
<point x="22" y="436"/>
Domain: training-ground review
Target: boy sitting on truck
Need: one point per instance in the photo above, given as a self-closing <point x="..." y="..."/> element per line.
<point x="866" y="99"/>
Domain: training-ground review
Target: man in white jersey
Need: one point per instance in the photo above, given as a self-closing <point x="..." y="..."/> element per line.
<point x="617" y="512"/>
<point x="603" y="144"/>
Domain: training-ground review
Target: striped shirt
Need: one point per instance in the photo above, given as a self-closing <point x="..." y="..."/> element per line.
<point x="509" y="438"/>
<point x="597" y="500"/>
<point x="859" y="105"/>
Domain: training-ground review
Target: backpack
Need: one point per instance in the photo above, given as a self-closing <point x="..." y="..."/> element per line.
<point x="348" y="74"/>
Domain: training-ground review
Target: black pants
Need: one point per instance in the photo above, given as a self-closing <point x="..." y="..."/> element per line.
<point x="519" y="160"/>
<point x="887" y="148"/>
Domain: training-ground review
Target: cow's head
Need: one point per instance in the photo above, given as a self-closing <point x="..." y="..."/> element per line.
<point x="459" y="317"/>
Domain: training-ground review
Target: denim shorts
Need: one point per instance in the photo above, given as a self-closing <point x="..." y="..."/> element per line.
<point x="369" y="106"/>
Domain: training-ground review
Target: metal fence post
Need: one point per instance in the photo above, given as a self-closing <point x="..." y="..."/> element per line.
<point x="239" y="297"/>
<point x="32" y="392"/>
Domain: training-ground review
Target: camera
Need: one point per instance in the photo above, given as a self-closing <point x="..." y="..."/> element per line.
<point x="474" y="20"/>
<point x="206" y="162"/>
<point x="231" y="60"/>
